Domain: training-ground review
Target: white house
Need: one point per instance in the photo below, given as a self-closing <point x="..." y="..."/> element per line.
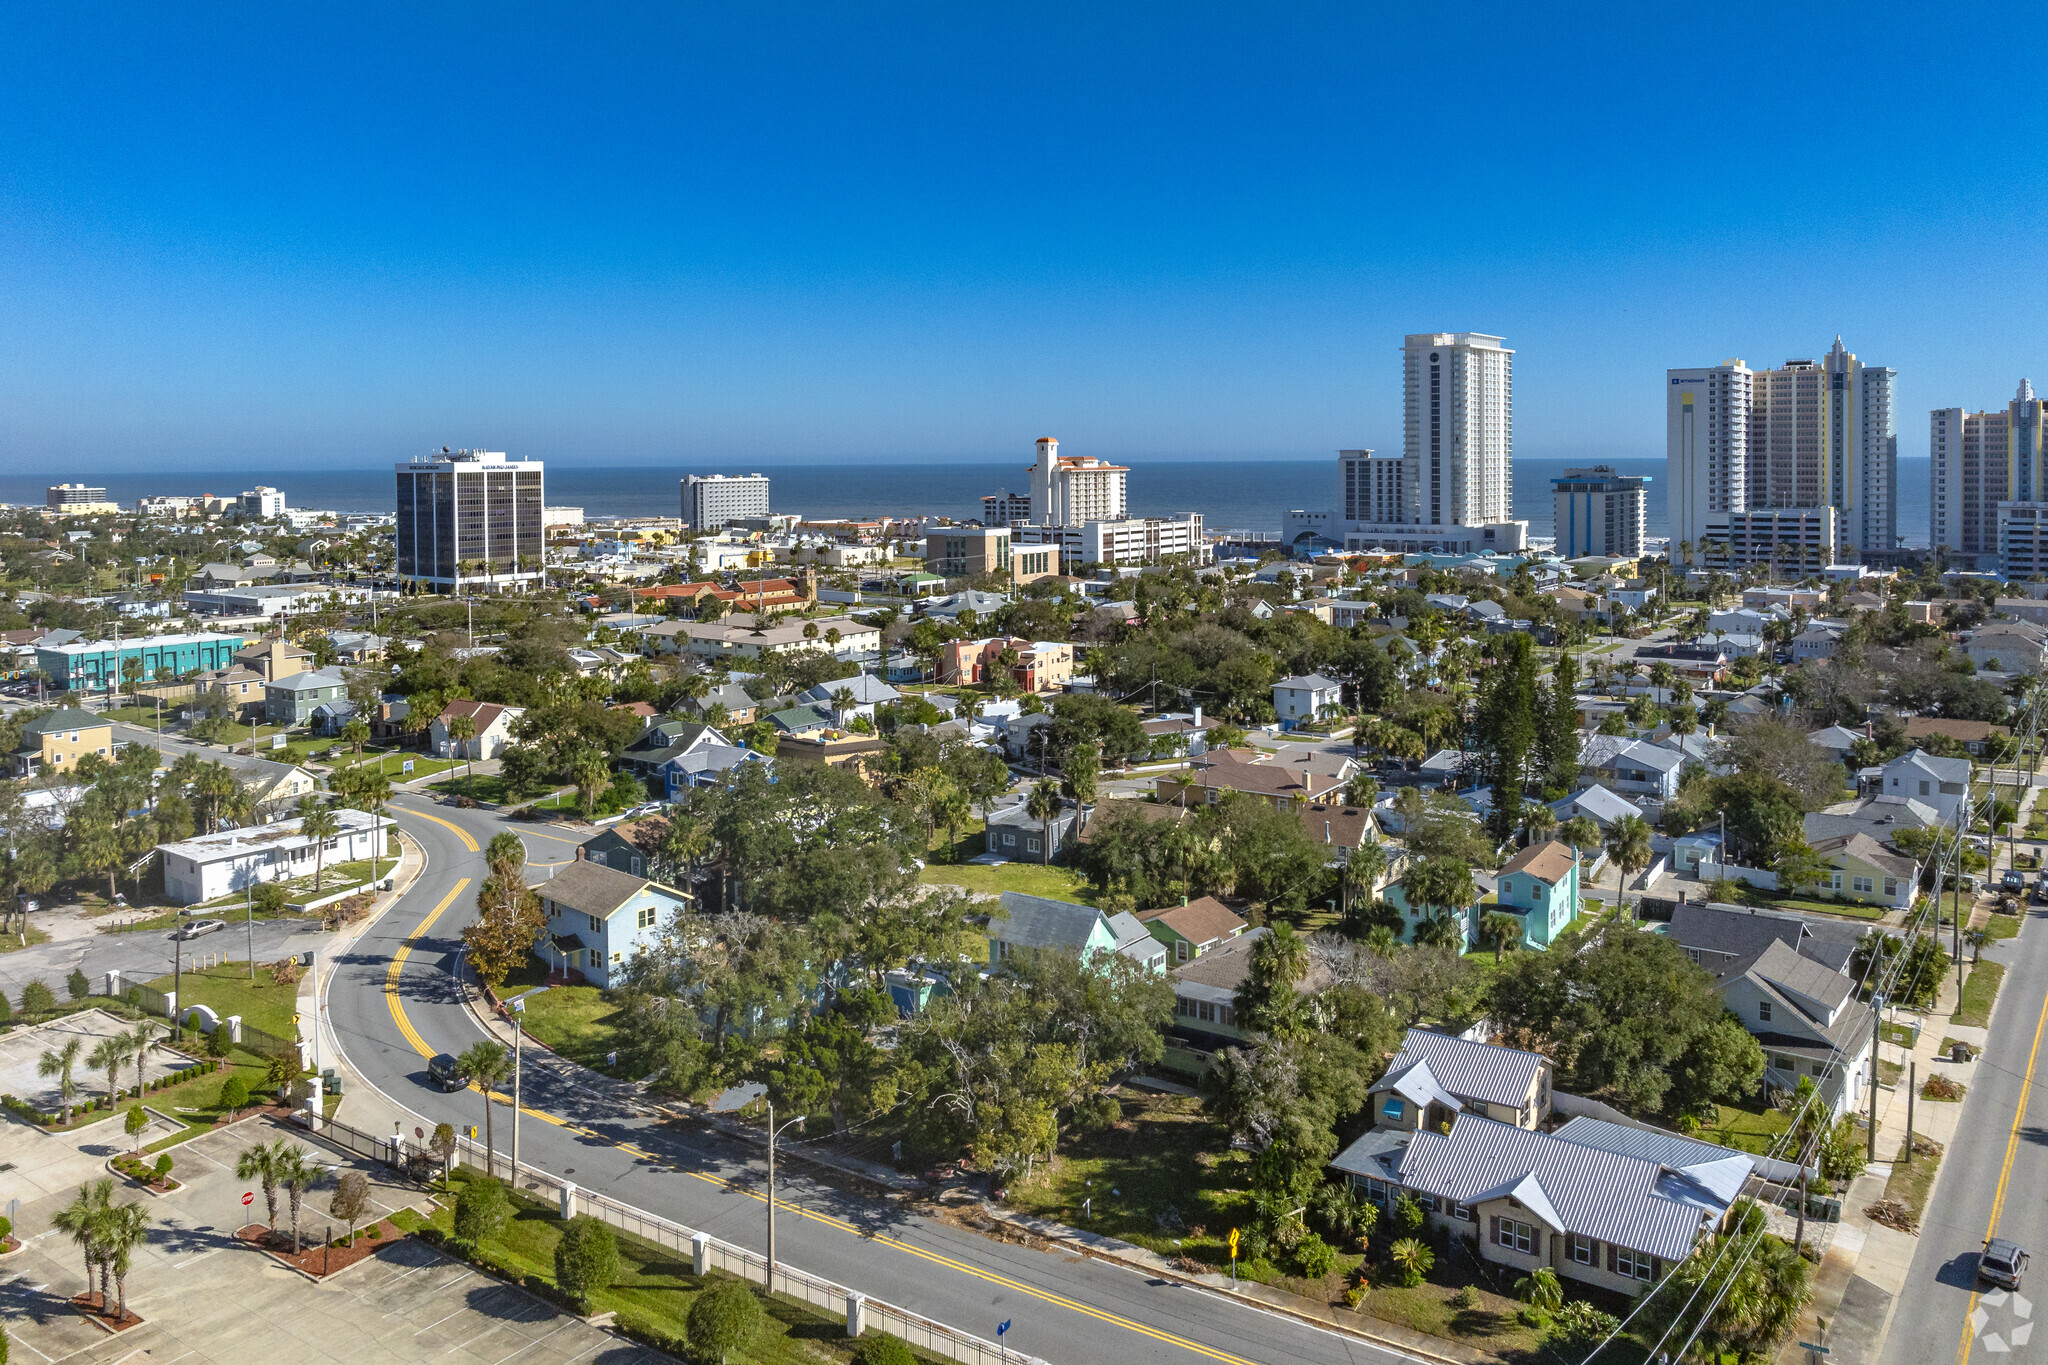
<point x="1817" y="641"/>
<point x="600" y="919"/>
<point x="493" y="729"/>
<point x="1943" y="783"/>
<point x="1305" y="697"/>
<point x="1633" y="767"/>
<point x="2009" y="648"/>
<point x="868" y="691"/>
<point x="213" y="865"/>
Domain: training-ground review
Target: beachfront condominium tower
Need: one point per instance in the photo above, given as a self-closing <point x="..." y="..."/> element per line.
<point x="1070" y="490"/>
<point x="1600" y="512"/>
<point x="470" y="518"/>
<point x="1807" y="434"/>
<point x="1375" y="487"/>
<point x="711" y="502"/>
<point x="1978" y="460"/>
<point x="1706" y="442"/>
<point x="1459" y="389"/>
<point x="1822" y="435"/>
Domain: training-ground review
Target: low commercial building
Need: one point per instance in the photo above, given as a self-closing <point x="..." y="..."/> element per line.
<point x="973" y="551"/>
<point x="743" y="637"/>
<point x="100" y="665"/>
<point x="1798" y="540"/>
<point x="213" y="865"/>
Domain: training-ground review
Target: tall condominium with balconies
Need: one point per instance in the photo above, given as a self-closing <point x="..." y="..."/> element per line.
<point x="1707" y="415"/>
<point x="1978" y="461"/>
<point x="1459" y="390"/>
<point x="1807" y="434"/>
<point x="711" y="502"/>
<point x="1375" y="487"/>
<point x="1069" y="490"/>
<point x="469" y="518"/>
<point x="1600" y="512"/>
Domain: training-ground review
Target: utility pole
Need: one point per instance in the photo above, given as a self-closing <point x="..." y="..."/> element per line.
<point x="1876" y="1028"/>
<point x="249" y="904"/>
<point x="518" y="1039"/>
<point x="1912" y="1084"/>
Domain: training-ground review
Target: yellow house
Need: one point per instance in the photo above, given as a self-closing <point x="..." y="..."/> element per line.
<point x="60" y="739"/>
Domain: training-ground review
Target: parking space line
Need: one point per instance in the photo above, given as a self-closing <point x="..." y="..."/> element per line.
<point x="14" y="1338"/>
<point x="536" y="1341"/>
<point x="195" y="1150"/>
<point x="458" y="1312"/>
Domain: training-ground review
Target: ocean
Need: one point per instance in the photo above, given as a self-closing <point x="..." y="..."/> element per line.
<point x="1249" y="495"/>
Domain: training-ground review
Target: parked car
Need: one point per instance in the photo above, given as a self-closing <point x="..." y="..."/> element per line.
<point x="2002" y="1263"/>
<point x="199" y="927"/>
<point x="2013" y="880"/>
<point x="2041" y="890"/>
<point x="441" y="1071"/>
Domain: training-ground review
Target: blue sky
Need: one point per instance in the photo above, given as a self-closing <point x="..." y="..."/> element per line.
<point x="276" y="235"/>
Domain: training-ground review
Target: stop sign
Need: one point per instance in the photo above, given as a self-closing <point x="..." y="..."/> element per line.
<point x="248" y="1198"/>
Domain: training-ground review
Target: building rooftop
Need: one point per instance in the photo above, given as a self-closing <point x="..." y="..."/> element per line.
<point x="1550" y="862"/>
<point x="230" y="843"/>
<point x="1472" y="1071"/>
<point x="1199" y="921"/>
<point x="590" y="888"/>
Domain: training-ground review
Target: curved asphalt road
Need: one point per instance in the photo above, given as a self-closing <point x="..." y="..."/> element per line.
<point x="392" y="1003"/>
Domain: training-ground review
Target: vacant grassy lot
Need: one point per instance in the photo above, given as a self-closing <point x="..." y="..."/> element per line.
<point x="1999" y="926"/>
<point x="1980" y="991"/>
<point x="479" y="787"/>
<point x="1032" y="879"/>
<point x="1748" y="1130"/>
<point x="228" y="990"/>
<point x="576" y="1021"/>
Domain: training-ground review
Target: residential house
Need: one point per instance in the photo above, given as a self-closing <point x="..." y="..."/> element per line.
<point x="1533" y="1200"/>
<point x="1806" y="1016"/>
<point x="1438" y="1075"/>
<point x="1180" y="734"/>
<point x="274" y="659"/>
<point x="358" y="646"/>
<point x="1193" y="927"/>
<point x="1342" y="830"/>
<point x="1205" y="1000"/>
<point x="1305" y="697"/>
<point x="630" y="846"/>
<point x="2008" y="648"/>
<point x="1598" y="804"/>
<point x="212" y="865"/>
<point x="1699" y="662"/>
<point x="600" y="918"/>
<point x="1880" y="817"/>
<point x="1973" y="735"/>
<point x="1037" y="924"/>
<point x="1817" y="641"/>
<point x="868" y="692"/>
<point x="493" y="724"/>
<point x="1725" y="939"/>
<point x="667" y="739"/>
<point x="291" y="698"/>
<point x="1632" y="767"/>
<point x="1281" y="783"/>
<point x="800" y="720"/>
<point x="1540" y="885"/>
<point x="58" y="740"/>
<point x="1941" y="783"/>
<point x="1014" y="834"/>
<point x="1836" y="739"/>
<point x="1863" y="870"/>
<point x="1042" y="665"/>
<point x="740" y="706"/>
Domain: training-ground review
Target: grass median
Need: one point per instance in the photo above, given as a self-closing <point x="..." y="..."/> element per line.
<point x="1980" y="992"/>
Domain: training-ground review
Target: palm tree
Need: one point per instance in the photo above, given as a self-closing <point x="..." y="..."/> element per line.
<point x="843" y="701"/>
<point x="139" y="1039"/>
<point x="1976" y="938"/>
<point x="589" y="772"/>
<point x="82" y="1221"/>
<point x="1628" y="844"/>
<point x="59" y="1062"/>
<point x="1414" y="1257"/>
<point x="1043" y="805"/>
<point x="122" y="1230"/>
<point x="297" y="1175"/>
<point x="1502" y="932"/>
<point x="1539" y="820"/>
<point x="1540" y="1290"/>
<point x="483" y="1066"/>
<point x="462" y="730"/>
<point x="260" y="1163"/>
<point x="1186" y="780"/>
<point x="356" y="734"/>
<point x="318" y="823"/>
<point x="109" y="1055"/>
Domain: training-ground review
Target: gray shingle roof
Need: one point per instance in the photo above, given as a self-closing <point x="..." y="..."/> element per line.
<point x="590" y="888"/>
<point x="1574" y="1188"/>
<point x="1469" y="1070"/>
<point x="1037" y="922"/>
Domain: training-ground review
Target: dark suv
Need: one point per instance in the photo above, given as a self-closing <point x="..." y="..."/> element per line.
<point x="2002" y="1263"/>
<point x="441" y="1071"/>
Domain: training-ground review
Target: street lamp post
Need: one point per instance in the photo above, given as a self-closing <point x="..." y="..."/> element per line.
<point x="178" y="977"/>
<point x="773" y="1132"/>
<point x="518" y="1038"/>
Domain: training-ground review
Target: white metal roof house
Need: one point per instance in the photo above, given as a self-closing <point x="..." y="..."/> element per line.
<point x="212" y="865"/>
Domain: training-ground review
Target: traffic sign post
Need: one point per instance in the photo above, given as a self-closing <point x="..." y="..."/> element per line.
<point x="1233" y="1255"/>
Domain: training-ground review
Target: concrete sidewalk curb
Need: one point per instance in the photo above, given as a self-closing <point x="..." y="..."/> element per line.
<point x="1100" y="1248"/>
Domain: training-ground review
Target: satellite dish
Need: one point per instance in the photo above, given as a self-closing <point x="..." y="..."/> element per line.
<point x="738" y="1097"/>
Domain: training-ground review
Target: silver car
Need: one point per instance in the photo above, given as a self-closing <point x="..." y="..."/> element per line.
<point x="2002" y="1263"/>
<point x="199" y="927"/>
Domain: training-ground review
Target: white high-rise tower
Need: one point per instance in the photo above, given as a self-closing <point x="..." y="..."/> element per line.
<point x="1706" y="441"/>
<point x="1459" y="391"/>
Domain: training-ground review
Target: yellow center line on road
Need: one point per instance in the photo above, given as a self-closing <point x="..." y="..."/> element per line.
<point x="412" y="1036"/>
<point x="2012" y="1147"/>
<point x="398" y="964"/>
<point x="468" y="840"/>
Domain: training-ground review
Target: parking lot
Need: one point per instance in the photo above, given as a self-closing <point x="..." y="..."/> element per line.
<point x="21" y="1049"/>
<point x="206" y="1297"/>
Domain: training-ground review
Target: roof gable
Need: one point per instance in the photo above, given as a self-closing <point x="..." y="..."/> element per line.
<point x="1474" y="1071"/>
<point x="1040" y="922"/>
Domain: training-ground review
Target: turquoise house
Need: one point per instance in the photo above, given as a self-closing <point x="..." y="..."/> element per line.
<point x="1035" y="923"/>
<point x="1413" y="919"/>
<point x="1541" y="885"/>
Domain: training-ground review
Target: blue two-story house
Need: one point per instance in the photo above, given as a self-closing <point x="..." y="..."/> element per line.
<point x="1541" y="885"/>
<point x="601" y="918"/>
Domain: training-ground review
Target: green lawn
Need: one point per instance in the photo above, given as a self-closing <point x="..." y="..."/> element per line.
<point x="1910" y="1185"/>
<point x="1999" y="926"/>
<point x="14" y="941"/>
<point x="655" y="1288"/>
<point x="1980" y="990"/>
<point x="576" y="1021"/>
<point x="228" y="990"/>
<point x="478" y="787"/>
<point x="1900" y="1035"/>
<point x="1748" y="1130"/>
<point x="1033" y="879"/>
<point x="1850" y="909"/>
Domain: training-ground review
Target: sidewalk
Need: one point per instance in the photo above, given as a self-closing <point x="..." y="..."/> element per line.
<point x="1862" y="1274"/>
